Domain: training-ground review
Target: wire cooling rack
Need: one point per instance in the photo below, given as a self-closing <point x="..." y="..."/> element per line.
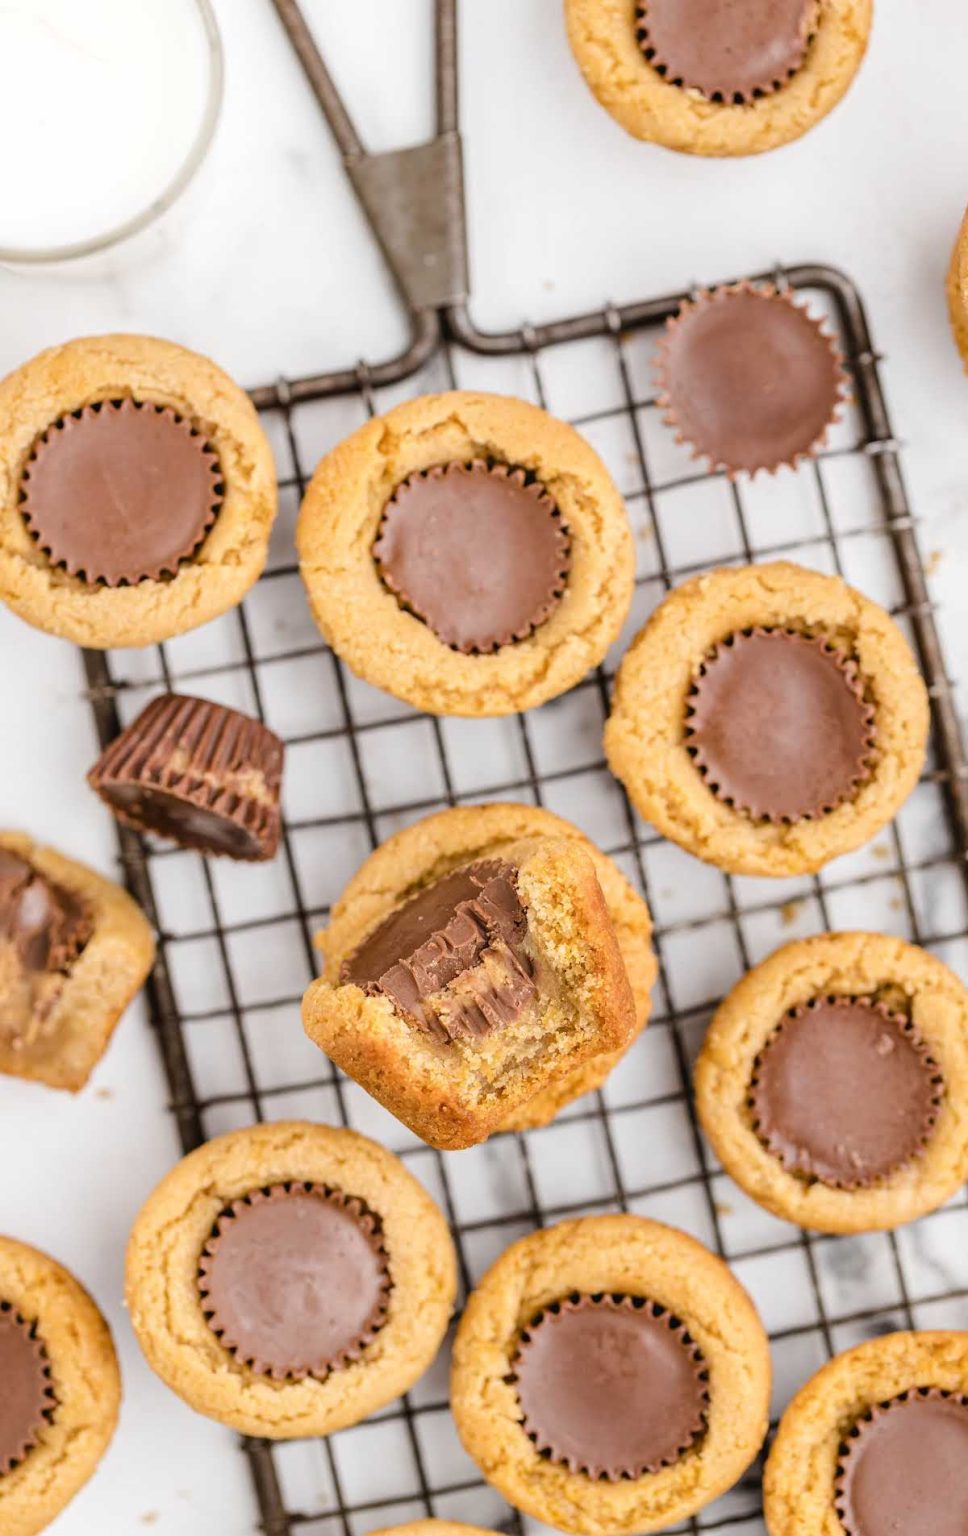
<point x="236" y="949"/>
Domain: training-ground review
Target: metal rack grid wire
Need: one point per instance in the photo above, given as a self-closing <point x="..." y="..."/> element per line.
<point x="236" y="946"/>
<point x="236" y="943"/>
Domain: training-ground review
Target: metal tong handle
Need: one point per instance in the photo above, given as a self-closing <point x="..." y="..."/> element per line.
<point x="413" y="198"/>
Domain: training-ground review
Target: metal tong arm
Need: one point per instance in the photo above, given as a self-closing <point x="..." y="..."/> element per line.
<point x="413" y="198"/>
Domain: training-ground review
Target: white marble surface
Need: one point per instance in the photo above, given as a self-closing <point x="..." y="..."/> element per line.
<point x="266" y="265"/>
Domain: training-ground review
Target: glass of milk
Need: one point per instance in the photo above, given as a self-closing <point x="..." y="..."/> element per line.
<point x="107" y="109"/>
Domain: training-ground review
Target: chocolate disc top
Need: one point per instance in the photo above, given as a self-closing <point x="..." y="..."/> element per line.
<point x="477" y="551"/>
<point x="452" y="958"/>
<point x="748" y="378"/>
<point x="611" y="1386"/>
<point x="294" y="1280"/>
<point x="120" y="492"/>
<point x="778" y="725"/>
<point x="845" y="1092"/>
<point x="189" y="769"/>
<point x="46" y="925"/>
<point x="27" y="1399"/>
<point x="729" y="52"/>
<point x="903" y="1469"/>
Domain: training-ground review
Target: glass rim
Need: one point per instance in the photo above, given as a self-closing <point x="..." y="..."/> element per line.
<point x="93" y="244"/>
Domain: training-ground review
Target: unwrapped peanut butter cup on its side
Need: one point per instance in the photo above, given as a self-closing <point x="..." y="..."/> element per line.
<point x="202" y="774"/>
<point x="748" y="378"/>
<point x="120" y="492"/>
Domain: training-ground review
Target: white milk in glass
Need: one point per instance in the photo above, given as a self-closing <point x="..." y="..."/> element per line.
<point x="102" y="103"/>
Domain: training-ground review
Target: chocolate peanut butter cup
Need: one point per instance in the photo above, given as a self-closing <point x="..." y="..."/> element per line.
<point x="611" y="1386"/>
<point x="477" y="551"/>
<point x="295" y="1281"/>
<point x="46" y="925"/>
<point x="202" y="774"/>
<point x="27" y="1400"/>
<point x="452" y="958"/>
<point x="748" y="378"/>
<point x="121" y="492"/>
<point x="903" y="1468"/>
<point x="778" y="725"/>
<point x="845" y="1091"/>
<point x="727" y="52"/>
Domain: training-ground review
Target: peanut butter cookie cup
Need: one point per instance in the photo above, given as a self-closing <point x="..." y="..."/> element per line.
<point x="876" y="1443"/>
<point x="468" y="553"/>
<point x="459" y="836"/>
<point x="74" y="950"/>
<point x="833" y="1082"/>
<point x="290" y="1279"/>
<point x="610" y="1375"/>
<point x="137" y="491"/>
<point x="957" y="289"/>
<point x="470" y="969"/>
<point x="713" y="78"/>
<point x="768" y="718"/>
<point x="60" y="1388"/>
<point x="748" y="378"/>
